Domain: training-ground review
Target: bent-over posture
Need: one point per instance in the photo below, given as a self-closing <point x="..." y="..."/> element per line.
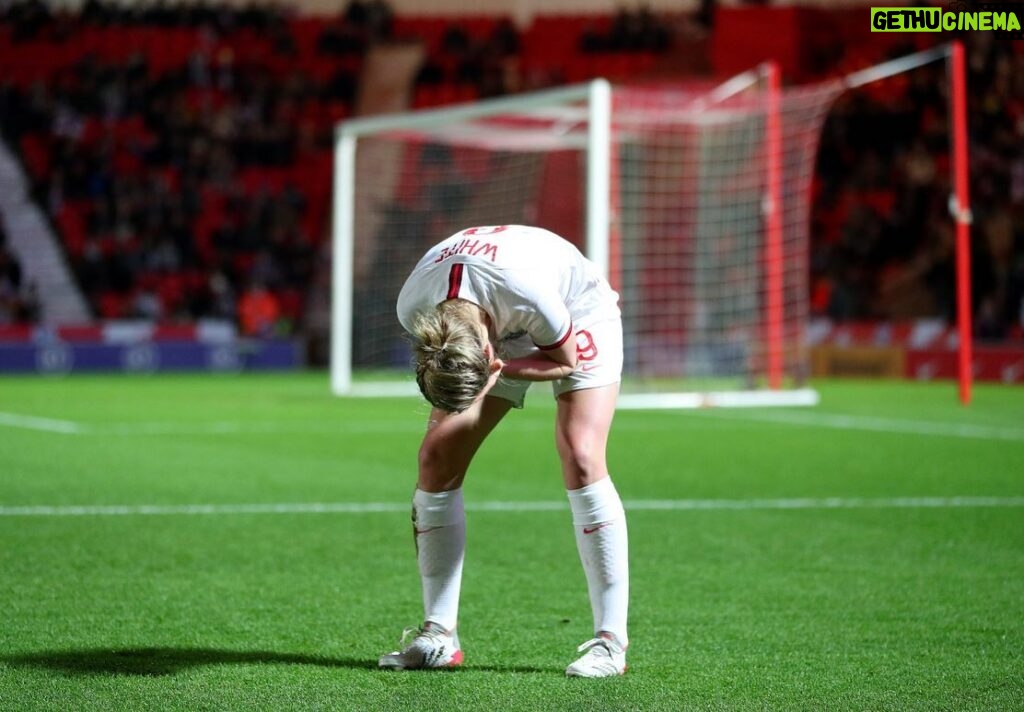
<point x="491" y="310"/>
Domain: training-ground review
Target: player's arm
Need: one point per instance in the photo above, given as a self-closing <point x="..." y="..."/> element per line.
<point x="548" y="363"/>
<point x="548" y="323"/>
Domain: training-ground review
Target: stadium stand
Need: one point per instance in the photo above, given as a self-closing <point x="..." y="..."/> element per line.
<point x="883" y="242"/>
<point x="183" y="151"/>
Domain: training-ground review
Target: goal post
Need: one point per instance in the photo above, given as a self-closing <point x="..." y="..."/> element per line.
<point x="672" y="191"/>
<point x="595" y="96"/>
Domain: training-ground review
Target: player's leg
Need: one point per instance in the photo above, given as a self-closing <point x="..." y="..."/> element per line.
<point x="439" y="519"/>
<point x="439" y="528"/>
<point x="584" y="421"/>
<point x="452" y="440"/>
<point x="582" y="427"/>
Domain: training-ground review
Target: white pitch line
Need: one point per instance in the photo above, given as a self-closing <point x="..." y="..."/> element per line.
<point x="817" y="419"/>
<point x="227" y="427"/>
<point x="414" y="425"/>
<point x="879" y="425"/>
<point x="497" y="506"/>
<point x="67" y="427"/>
<point x="828" y="503"/>
<point x="32" y="422"/>
<point x="251" y="428"/>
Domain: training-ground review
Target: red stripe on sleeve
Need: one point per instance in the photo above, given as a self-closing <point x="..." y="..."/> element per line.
<point x="557" y="343"/>
<point x="455" y="281"/>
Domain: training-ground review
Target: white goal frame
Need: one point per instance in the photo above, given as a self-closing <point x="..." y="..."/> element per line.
<point x="598" y="97"/>
<point x="599" y="208"/>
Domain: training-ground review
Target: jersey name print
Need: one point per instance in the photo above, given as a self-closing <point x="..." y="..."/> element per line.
<point x="472" y="247"/>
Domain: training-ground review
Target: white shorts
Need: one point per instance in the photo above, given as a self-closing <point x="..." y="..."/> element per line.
<point x="598" y="362"/>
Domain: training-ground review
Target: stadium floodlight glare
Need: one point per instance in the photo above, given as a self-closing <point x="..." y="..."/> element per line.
<point x="694" y="199"/>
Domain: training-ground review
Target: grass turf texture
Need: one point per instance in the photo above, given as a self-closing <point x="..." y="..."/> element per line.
<point x="817" y="608"/>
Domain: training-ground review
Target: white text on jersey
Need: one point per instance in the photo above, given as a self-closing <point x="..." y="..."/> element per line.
<point x="472" y="247"/>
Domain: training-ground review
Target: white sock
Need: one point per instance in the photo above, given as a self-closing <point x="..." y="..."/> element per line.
<point x="439" y="520"/>
<point x="600" y="524"/>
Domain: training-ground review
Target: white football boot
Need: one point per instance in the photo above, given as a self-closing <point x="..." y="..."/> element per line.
<point x="431" y="647"/>
<point x="602" y="657"/>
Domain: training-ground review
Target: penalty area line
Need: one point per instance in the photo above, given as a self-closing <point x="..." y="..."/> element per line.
<point x="497" y="506"/>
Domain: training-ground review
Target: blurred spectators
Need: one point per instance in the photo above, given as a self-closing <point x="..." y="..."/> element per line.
<point x="489" y="63"/>
<point x="259" y="311"/>
<point x="883" y="241"/>
<point x="173" y="187"/>
<point x="637" y="30"/>
<point x="178" y="180"/>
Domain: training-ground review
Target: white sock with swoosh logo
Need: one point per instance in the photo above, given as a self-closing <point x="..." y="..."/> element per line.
<point x="602" y="541"/>
<point x="439" y="523"/>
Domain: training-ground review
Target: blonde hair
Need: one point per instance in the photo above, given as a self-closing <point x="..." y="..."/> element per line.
<point x="452" y="367"/>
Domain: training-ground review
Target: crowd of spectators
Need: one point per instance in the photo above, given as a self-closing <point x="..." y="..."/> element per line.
<point x="883" y="238"/>
<point x="188" y="189"/>
<point x="639" y="30"/>
<point x="174" y="190"/>
<point x="480" y="62"/>
<point x="360" y="25"/>
<point x="198" y="188"/>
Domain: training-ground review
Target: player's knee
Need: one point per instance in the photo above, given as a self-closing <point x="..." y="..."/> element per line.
<point x="584" y="456"/>
<point x="431" y="456"/>
<point x="439" y="465"/>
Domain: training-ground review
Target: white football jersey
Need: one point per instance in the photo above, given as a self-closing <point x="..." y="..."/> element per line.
<point x="530" y="281"/>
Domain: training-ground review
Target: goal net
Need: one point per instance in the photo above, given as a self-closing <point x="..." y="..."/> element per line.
<point x="695" y="200"/>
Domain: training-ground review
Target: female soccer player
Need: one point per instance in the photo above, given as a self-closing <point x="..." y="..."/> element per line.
<point x="491" y="310"/>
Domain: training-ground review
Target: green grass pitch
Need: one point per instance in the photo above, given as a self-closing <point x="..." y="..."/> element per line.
<point x="866" y="554"/>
